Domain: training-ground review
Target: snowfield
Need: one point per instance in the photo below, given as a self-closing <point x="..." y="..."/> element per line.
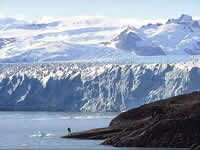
<point x="94" y="64"/>
<point x="93" y="87"/>
<point x="89" y="38"/>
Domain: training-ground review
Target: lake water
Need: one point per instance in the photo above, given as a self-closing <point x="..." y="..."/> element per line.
<point x="42" y="130"/>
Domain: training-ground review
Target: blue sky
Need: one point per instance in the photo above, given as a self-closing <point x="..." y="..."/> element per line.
<point x="139" y="9"/>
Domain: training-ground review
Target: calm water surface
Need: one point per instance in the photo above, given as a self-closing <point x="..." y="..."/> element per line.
<point x="42" y="130"/>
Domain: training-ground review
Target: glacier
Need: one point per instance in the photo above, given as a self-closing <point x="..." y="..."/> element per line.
<point x="95" y="64"/>
<point x="93" y="87"/>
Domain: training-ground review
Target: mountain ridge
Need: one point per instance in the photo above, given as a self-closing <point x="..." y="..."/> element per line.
<point x="22" y="40"/>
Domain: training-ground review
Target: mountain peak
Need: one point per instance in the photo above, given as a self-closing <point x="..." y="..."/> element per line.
<point x="185" y="18"/>
<point x="182" y="19"/>
<point x="127" y="33"/>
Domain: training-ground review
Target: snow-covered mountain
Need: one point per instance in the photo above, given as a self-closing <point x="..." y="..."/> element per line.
<point x="176" y="36"/>
<point x="130" y="41"/>
<point x="89" y="38"/>
<point x="93" y="87"/>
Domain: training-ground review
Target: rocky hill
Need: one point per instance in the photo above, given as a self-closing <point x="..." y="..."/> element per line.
<point x="173" y="122"/>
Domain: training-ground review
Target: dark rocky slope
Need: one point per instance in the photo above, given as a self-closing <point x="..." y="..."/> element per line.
<point x="174" y="122"/>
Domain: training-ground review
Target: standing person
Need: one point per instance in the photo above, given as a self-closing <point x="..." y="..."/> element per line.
<point x="69" y="131"/>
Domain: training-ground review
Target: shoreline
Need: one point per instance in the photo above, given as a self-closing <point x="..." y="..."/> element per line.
<point x="169" y="123"/>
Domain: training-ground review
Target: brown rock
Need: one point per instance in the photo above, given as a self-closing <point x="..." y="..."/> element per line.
<point x="174" y="122"/>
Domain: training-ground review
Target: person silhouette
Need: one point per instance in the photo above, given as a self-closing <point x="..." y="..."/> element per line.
<point x="69" y="131"/>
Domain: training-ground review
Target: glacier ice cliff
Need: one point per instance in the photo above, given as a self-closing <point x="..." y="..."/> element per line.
<point x="93" y="87"/>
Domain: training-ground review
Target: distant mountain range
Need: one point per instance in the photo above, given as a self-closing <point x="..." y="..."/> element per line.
<point x="90" y="38"/>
